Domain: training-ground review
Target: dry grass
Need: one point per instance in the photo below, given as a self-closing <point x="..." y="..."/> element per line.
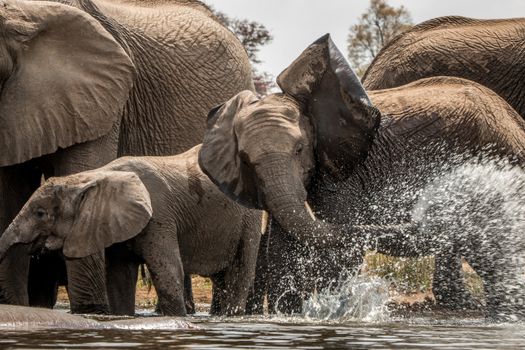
<point x="146" y="297"/>
<point x="414" y="276"/>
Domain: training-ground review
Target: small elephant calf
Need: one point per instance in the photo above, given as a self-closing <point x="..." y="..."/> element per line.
<point x="163" y="211"/>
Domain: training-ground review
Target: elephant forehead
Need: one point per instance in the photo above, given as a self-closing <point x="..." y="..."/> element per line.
<point x="275" y="112"/>
<point x="273" y="106"/>
<point x="265" y="126"/>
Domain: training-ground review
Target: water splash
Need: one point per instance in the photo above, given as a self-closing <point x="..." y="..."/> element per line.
<point x="355" y="298"/>
<point x="478" y="209"/>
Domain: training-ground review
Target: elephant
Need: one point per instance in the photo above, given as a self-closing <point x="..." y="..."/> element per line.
<point x="478" y="210"/>
<point x="162" y="211"/>
<point x="85" y="81"/>
<point x="453" y="46"/>
<point x="337" y="168"/>
<point x="488" y="52"/>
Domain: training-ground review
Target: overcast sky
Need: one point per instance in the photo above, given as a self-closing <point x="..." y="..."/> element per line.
<point x="296" y="23"/>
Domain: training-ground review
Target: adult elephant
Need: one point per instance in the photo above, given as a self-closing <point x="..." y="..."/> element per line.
<point x="453" y="46"/>
<point x="84" y="82"/>
<point x="489" y="52"/>
<point x="356" y="160"/>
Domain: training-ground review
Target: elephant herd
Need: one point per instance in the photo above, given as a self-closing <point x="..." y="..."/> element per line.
<point x="101" y="113"/>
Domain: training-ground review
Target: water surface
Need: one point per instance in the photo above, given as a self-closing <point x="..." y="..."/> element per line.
<point x="281" y="333"/>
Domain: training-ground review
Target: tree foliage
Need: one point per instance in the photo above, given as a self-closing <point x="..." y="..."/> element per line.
<point x="253" y="35"/>
<point x="375" y="28"/>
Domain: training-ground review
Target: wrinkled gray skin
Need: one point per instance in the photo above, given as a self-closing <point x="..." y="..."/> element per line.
<point x="84" y="83"/>
<point x="162" y="211"/>
<point x="489" y="52"/>
<point x="322" y="141"/>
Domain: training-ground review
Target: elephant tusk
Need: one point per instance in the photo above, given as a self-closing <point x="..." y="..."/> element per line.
<point x="264" y="222"/>
<point x="309" y="210"/>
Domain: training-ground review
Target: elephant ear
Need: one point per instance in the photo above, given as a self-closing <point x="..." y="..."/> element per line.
<point x="64" y="79"/>
<point x="343" y="116"/>
<point x="109" y="207"/>
<point x="219" y="156"/>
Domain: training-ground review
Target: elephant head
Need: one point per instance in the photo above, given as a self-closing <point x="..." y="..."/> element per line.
<point x="63" y="79"/>
<point x="262" y="153"/>
<point x="82" y="213"/>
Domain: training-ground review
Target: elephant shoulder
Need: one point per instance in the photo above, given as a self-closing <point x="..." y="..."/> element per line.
<point x="453" y="108"/>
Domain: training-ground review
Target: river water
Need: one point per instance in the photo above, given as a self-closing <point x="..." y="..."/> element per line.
<point x="281" y="333"/>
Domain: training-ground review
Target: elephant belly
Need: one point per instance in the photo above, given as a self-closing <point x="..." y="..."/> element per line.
<point x="210" y="247"/>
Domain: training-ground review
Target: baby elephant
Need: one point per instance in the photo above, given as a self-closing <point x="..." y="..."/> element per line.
<point x="162" y="211"/>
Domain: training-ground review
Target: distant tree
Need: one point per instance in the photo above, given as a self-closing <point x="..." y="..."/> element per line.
<point x="253" y="35"/>
<point x="376" y="28"/>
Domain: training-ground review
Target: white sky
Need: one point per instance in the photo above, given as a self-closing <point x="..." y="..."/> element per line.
<point x="297" y="23"/>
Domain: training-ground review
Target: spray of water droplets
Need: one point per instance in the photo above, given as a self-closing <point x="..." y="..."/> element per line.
<point x="356" y="298"/>
<point x="477" y="208"/>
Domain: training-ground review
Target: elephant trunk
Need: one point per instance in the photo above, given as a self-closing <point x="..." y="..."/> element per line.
<point x="402" y="240"/>
<point x="21" y="230"/>
<point x="285" y="198"/>
<point x="10" y="237"/>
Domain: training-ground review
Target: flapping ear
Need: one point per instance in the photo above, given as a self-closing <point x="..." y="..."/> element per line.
<point x="344" y="119"/>
<point x="109" y="207"/>
<point x="64" y="79"/>
<point x="219" y="156"/>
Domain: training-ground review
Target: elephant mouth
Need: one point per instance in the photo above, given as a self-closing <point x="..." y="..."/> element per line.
<point x="38" y="247"/>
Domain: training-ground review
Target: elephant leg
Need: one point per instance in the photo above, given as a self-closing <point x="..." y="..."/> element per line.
<point x="14" y="271"/>
<point x="45" y="273"/>
<point x="121" y="279"/>
<point x="159" y="248"/>
<point x="448" y="285"/>
<point x="504" y="284"/>
<point x="17" y="183"/>
<point x="286" y="273"/>
<point x="237" y="279"/>
<point x="218" y="291"/>
<point x="255" y="301"/>
<point x="86" y="279"/>
<point x="188" y="295"/>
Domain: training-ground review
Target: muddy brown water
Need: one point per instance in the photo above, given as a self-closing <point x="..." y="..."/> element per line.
<point x="283" y="333"/>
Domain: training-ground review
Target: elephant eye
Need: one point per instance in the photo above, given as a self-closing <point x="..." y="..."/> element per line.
<point x="40" y="213"/>
<point x="299" y="149"/>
